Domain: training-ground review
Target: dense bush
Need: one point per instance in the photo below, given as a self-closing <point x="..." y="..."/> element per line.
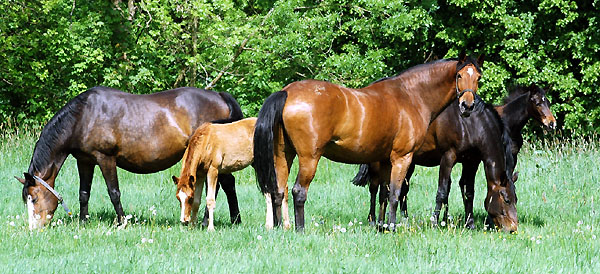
<point x="51" y="50"/>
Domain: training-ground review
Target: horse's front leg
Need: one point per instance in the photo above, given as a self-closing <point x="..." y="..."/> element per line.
<point x="400" y="165"/>
<point x="467" y="187"/>
<point x="108" y="166"/>
<point x="444" y="182"/>
<point x="86" y="173"/>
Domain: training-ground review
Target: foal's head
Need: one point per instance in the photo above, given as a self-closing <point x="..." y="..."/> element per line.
<point x="185" y="196"/>
<point x="500" y="203"/>
<point x="468" y="73"/>
<point x="539" y="107"/>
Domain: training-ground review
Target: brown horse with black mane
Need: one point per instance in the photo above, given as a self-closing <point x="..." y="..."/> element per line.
<point x="110" y="128"/>
<point x="384" y="122"/>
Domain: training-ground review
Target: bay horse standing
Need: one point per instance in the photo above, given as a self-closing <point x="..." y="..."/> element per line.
<point x="111" y="128"/>
<point x="451" y="139"/>
<point x="383" y="122"/>
<point x="214" y="149"/>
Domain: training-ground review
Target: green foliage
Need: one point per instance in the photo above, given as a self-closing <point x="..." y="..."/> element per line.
<point x="52" y="50"/>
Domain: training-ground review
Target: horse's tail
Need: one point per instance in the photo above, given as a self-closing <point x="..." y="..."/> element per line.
<point x="235" y="111"/>
<point x="269" y="117"/>
<point x="362" y="177"/>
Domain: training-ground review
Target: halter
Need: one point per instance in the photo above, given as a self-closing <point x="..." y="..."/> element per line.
<point x="55" y="193"/>
<point x="460" y="93"/>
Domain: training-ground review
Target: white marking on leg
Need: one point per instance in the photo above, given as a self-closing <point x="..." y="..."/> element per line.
<point x="269" y="214"/>
<point x="285" y="213"/>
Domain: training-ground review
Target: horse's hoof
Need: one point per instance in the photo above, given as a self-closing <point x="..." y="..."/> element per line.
<point x="123" y="224"/>
<point x="236" y="221"/>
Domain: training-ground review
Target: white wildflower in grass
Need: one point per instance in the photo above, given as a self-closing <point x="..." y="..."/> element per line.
<point x="360" y="223"/>
<point x="579" y="223"/>
<point x="432" y="219"/>
<point x="18" y="217"/>
<point x="367" y="255"/>
<point x="87" y="216"/>
<point x="532" y="239"/>
<point x="169" y="228"/>
<point x="385" y="225"/>
<point x="350" y="223"/>
<point x="593" y="237"/>
<point x="259" y="237"/>
<point x="144" y="240"/>
<point x="59" y="222"/>
<point x="316" y="224"/>
<point x="108" y="233"/>
<point x="443" y="223"/>
<point x="11" y="223"/>
<point x="128" y="217"/>
<point x="150" y="241"/>
<point x="343" y="230"/>
<point x="53" y="224"/>
<point x="538" y="241"/>
<point x="75" y="237"/>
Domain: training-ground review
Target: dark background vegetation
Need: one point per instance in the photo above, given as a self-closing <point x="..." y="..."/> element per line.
<point x="52" y="50"/>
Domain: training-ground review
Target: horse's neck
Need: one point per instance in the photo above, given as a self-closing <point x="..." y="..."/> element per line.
<point x="435" y="87"/>
<point x="190" y="161"/>
<point x="516" y="115"/>
<point x="47" y="169"/>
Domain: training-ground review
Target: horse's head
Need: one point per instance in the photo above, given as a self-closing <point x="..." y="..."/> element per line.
<point x="185" y="196"/>
<point x="501" y="205"/>
<point x="539" y="107"/>
<point x="41" y="203"/>
<point x="468" y="73"/>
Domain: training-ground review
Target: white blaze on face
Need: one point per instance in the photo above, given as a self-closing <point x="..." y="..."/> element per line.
<point x="182" y="198"/>
<point x="470" y="71"/>
<point x="33" y="221"/>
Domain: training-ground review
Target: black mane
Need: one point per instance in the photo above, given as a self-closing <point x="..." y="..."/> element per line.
<point x="469" y="60"/>
<point x="56" y="131"/>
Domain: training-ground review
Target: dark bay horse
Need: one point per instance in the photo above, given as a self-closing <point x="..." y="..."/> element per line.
<point x="383" y="122"/>
<point x="451" y="139"/>
<point x="110" y="128"/>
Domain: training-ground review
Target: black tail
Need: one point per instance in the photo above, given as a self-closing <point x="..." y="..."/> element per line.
<point x="235" y="111"/>
<point x="362" y="178"/>
<point x="264" y="164"/>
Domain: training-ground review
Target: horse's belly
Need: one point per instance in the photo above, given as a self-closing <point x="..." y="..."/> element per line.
<point x="356" y="155"/>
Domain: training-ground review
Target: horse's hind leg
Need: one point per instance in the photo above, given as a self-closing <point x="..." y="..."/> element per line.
<point x="227" y="181"/>
<point x="86" y="172"/>
<point x="108" y="166"/>
<point x="467" y="187"/>
<point x="307" y="166"/>
<point x="284" y="157"/>
<point x="400" y="165"/>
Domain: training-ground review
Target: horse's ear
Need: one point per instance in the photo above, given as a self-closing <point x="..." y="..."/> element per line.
<point x="175" y="180"/>
<point x="480" y="60"/>
<point x="462" y="57"/>
<point x="20" y="180"/>
<point x="515" y="177"/>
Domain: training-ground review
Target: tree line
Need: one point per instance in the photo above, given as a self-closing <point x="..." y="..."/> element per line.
<point x="52" y="50"/>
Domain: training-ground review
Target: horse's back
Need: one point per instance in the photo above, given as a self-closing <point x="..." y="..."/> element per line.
<point x="146" y="133"/>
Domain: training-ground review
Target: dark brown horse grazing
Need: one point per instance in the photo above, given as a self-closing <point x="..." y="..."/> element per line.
<point x="451" y="139"/>
<point x="383" y="122"/>
<point x="110" y="128"/>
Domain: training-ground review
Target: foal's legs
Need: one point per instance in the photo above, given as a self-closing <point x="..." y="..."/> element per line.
<point x="446" y="164"/>
<point x="211" y="183"/>
<point x="198" y="185"/>
<point x="467" y="187"/>
<point x="108" y="166"/>
<point x="86" y="172"/>
<point x="307" y="166"/>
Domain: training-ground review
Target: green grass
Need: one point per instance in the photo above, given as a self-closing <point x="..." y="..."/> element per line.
<point x="558" y="193"/>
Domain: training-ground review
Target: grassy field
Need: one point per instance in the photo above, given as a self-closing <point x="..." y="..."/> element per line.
<point x="558" y="191"/>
